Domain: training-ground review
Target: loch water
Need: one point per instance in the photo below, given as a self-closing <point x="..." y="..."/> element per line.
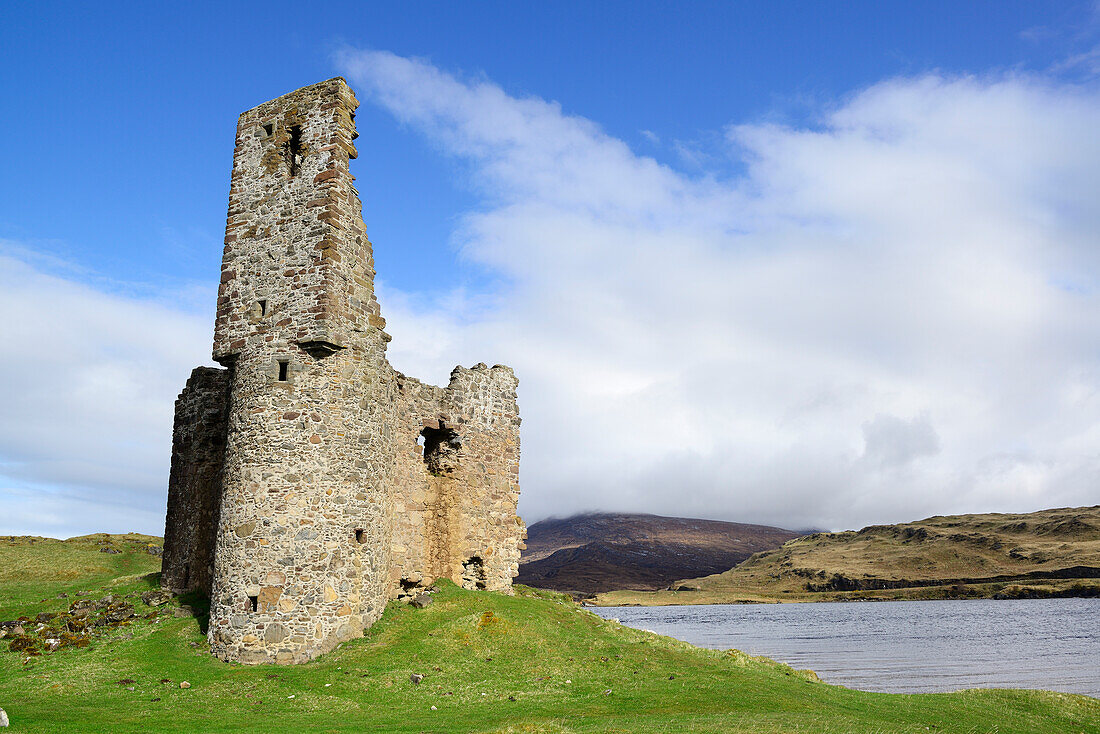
<point x="904" y="646"/>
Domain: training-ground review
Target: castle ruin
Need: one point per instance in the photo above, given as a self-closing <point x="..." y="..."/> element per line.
<point x="311" y="482"/>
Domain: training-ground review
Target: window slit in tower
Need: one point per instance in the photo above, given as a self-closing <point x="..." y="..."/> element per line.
<point x="253" y="603"/>
<point x="263" y="308"/>
<point x="283" y="367"/>
<point x="294" y="149"/>
<point x="186" y="574"/>
<point x="358" y="536"/>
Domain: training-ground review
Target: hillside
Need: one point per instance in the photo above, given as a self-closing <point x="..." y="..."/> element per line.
<point x="1048" y="553"/>
<point x="533" y="662"/>
<point x="588" y="554"/>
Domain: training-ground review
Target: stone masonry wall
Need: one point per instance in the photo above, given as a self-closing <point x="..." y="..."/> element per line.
<point x="303" y="543"/>
<point x="457" y="482"/>
<point x="195" y="483"/>
<point x="326" y="502"/>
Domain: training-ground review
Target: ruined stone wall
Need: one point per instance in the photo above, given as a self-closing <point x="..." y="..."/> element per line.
<point x="303" y="543"/>
<point x="296" y="259"/>
<point x="319" y="434"/>
<point x="195" y="483"/>
<point x="457" y="482"/>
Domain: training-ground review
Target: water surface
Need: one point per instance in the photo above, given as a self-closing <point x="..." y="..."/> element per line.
<point x="905" y="646"/>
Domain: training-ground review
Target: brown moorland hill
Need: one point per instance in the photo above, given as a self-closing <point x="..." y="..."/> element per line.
<point x="1048" y="553"/>
<point x="592" y="553"/>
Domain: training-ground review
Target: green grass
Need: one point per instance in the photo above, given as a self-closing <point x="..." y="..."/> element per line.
<point x="478" y="652"/>
<point x="34" y="570"/>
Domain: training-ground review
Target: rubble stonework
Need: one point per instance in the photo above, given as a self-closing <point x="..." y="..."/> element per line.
<point x="311" y="482"/>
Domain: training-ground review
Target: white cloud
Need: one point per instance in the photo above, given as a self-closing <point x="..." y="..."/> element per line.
<point x="87" y="384"/>
<point x="892" y="441"/>
<point x="757" y="348"/>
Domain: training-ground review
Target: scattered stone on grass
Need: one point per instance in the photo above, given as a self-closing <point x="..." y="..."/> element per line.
<point x="184" y="684"/>
<point x="23" y="643"/>
<point x="421" y="601"/>
<point x="416" y="678"/>
<point x="3" y="718"/>
<point x="156" y="597"/>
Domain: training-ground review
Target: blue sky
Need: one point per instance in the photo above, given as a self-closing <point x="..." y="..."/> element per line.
<point x="126" y="113"/>
<point x="620" y="155"/>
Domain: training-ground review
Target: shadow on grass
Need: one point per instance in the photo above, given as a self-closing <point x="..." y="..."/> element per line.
<point x="199" y="604"/>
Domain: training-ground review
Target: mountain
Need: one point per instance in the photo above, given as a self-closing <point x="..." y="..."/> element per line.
<point x="1040" y="554"/>
<point x="592" y="553"/>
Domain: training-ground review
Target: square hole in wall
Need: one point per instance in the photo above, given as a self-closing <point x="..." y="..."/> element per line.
<point x="269" y="129"/>
<point x="360" y="536"/>
<point x="284" y="368"/>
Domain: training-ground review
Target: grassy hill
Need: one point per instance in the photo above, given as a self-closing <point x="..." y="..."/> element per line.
<point x="587" y="554"/>
<point x="1040" y="554"/>
<point x="534" y="662"/>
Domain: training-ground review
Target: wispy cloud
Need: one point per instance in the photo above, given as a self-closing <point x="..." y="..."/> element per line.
<point x="87" y="381"/>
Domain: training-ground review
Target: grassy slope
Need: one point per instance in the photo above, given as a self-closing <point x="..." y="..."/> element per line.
<point x="478" y="651"/>
<point x="941" y="549"/>
<point x="32" y="568"/>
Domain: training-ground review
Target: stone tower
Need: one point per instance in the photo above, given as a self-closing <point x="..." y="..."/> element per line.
<point x="311" y="482"/>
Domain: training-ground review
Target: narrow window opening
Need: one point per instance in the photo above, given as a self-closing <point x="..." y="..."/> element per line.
<point x="263" y="308"/>
<point x="253" y="603"/>
<point x="293" y="150"/>
<point x="269" y="129"/>
<point x="441" y="446"/>
<point x="186" y="574"/>
<point x="284" y="366"/>
<point x="358" y="535"/>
